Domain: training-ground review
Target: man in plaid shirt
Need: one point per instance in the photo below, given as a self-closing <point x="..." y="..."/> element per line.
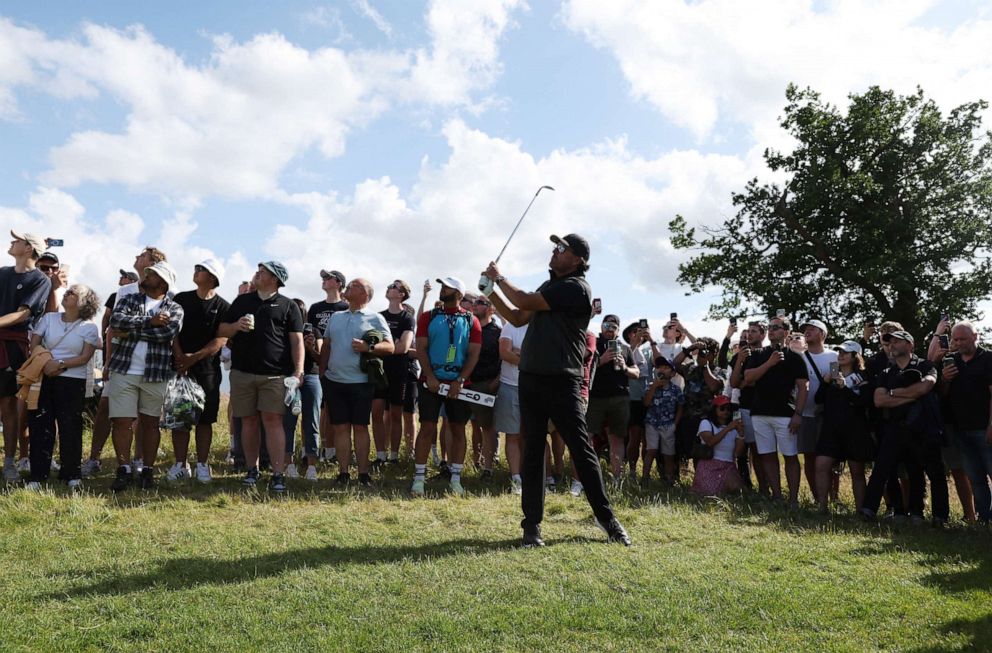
<point x="142" y="326"/>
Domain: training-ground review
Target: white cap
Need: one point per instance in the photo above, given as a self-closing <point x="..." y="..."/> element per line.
<point x="215" y="268"/>
<point x="815" y="323"/>
<point x="453" y="282"/>
<point x="36" y="241"/>
<point x="849" y="346"/>
<point x="165" y="272"/>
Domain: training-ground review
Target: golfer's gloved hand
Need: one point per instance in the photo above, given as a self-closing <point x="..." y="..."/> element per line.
<point x="486" y="285"/>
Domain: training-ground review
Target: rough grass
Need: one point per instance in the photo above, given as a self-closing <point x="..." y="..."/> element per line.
<point x="215" y="568"/>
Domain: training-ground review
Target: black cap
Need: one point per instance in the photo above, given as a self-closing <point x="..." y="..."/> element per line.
<point x="325" y="274"/>
<point x="575" y="242"/>
<point x="132" y="275"/>
<point x="51" y="255"/>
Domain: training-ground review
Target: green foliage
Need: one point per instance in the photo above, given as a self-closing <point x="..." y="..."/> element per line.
<point x="885" y="212"/>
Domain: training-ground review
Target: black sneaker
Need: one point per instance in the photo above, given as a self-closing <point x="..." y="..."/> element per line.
<point x="377" y="466"/>
<point x="146" y="480"/>
<point x="532" y="537"/>
<point x="277" y="483"/>
<point x="365" y="480"/>
<point x="344" y="478"/>
<point x="615" y="532"/>
<point x="486" y="476"/>
<point x="443" y="472"/>
<point x="251" y="478"/>
<point x="123" y="479"/>
<point x="333" y="460"/>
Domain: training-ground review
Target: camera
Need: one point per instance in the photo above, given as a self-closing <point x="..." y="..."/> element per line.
<point x="642" y="323"/>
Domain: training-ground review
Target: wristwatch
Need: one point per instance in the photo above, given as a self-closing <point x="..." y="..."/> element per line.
<point x="61" y="364"/>
<point x="461" y="380"/>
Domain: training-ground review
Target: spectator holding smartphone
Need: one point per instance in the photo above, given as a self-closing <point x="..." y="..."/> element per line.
<point x="663" y="401"/>
<point x="725" y="436"/>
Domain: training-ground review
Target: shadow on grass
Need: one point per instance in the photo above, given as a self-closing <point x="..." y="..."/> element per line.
<point x="184" y="573"/>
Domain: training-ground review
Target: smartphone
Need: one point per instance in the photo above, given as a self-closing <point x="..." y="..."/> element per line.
<point x="834" y="368"/>
<point x="673" y="316"/>
<point x="642" y="323"/>
<point x="307" y="329"/>
<point x="945" y="342"/>
<point x="733" y="321"/>
<point x="945" y="317"/>
<point x="597" y="306"/>
<point x="737" y="415"/>
<point x="54" y="242"/>
<point x="780" y="312"/>
<point x="948" y="361"/>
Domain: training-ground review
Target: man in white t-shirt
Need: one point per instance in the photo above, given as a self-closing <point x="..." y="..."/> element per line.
<point x="815" y="332"/>
<point x="506" y="412"/>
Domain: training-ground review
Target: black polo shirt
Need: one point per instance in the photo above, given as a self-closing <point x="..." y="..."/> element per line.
<point x="968" y="396"/>
<point x="555" y="343"/>
<point x="266" y="349"/>
<point x="609" y="381"/>
<point x="774" y="393"/>
<point x="894" y="377"/>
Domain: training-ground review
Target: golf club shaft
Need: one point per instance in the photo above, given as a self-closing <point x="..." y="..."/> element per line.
<point x="512" y="233"/>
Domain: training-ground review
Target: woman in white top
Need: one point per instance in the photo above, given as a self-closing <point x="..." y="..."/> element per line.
<point x="72" y="337"/>
<point x="725" y="436"/>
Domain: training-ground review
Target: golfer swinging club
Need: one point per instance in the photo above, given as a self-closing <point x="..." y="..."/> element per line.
<point x="551" y="374"/>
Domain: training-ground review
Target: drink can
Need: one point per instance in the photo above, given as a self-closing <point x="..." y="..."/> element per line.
<point x="251" y="321"/>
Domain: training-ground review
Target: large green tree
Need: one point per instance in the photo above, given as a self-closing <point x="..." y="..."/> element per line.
<point x="883" y="212"/>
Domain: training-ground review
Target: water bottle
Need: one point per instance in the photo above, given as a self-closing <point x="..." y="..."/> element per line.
<point x="293" y="399"/>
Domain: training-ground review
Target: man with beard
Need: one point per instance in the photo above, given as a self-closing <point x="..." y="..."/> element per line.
<point x="143" y="324"/>
<point x="551" y="373"/>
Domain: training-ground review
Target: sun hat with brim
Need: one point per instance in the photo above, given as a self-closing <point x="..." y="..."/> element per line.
<point x="165" y="272"/>
<point x="278" y="270"/>
<point x="899" y="335"/>
<point x="849" y="346"/>
<point x="36" y="241"/>
<point x="214" y="267"/>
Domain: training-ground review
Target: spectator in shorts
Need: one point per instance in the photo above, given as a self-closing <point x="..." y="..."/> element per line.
<point x="818" y="360"/>
<point x="663" y="401"/>
<point x="609" y="401"/>
<point x="639" y="339"/>
<point x="448" y="343"/>
<point x="844" y="435"/>
<point x="780" y="383"/>
<point x="24" y="291"/>
<point x="72" y="338"/>
<point x="196" y="352"/>
<point x="966" y="382"/>
<point x="752" y="341"/>
<point x="387" y="407"/>
<point x="349" y="388"/>
<point x="265" y="332"/>
<point x="718" y="475"/>
<point x="143" y="326"/>
<point x="485" y="378"/>
<point x="506" y="412"/>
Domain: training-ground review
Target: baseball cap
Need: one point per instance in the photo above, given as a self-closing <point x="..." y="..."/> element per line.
<point x="49" y="255"/>
<point x="720" y="400"/>
<point x="453" y="282"/>
<point x="575" y="242"/>
<point x="215" y="268"/>
<point x="611" y="318"/>
<point x="130" y="274"/>
<point x="898" y="335"/>
<point x="36" y="241"/>
<point x="324" y="274"/>
<point x="278" y="269"/>
<point x="165" y="272"/>
<point x="814" y="323"/>
<point x="849" y="346"/>
<point x="661" y="360"/>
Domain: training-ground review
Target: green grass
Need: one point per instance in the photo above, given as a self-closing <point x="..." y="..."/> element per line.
<point x="215" y="568"/>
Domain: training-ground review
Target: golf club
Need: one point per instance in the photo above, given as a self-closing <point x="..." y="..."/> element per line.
<point x="482" y="281"/>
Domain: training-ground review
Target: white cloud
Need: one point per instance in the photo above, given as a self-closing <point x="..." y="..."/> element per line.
<point x="364" y="8"/>
<point x="714" y="62"/>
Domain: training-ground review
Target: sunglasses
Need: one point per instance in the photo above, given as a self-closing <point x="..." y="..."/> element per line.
<point x="199" y="268"/>
<point x="560" y="248"/>
<point x="48" y="268"/>
<point x="482" y="302"/>
<point x="609" y="326"/>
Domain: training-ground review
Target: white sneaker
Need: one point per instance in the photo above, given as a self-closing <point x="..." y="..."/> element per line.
<point x="34" y="486"/>
<point x="137" y="464"/>
<point x="311" y="473"/>
<point x="291" y="471"/>
<point x="55" y="466"/>
<point x="23" y="466"/>
<point x="75" y="485"/>
<point x="203" y="473"/>
<point x="576" y="489"/>
<point x="90" y="468"/>
<point x="516" y="487"/>
<point x="178" y="472"/>
<point x="10" y="473"/>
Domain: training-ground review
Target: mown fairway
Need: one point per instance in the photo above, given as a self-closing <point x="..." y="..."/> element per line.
<point x="214" y="568"/>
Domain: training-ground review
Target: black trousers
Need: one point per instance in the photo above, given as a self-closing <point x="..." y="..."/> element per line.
<point x="60" y="403"/>
<point x="922" y="461"/>
<point x="558" y="399"/>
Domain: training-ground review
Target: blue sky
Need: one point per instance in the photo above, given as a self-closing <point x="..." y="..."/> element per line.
<point x="400" y="139"/>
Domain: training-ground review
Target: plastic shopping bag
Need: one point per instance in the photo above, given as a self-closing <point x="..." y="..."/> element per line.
<point x="184" y="401"/>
